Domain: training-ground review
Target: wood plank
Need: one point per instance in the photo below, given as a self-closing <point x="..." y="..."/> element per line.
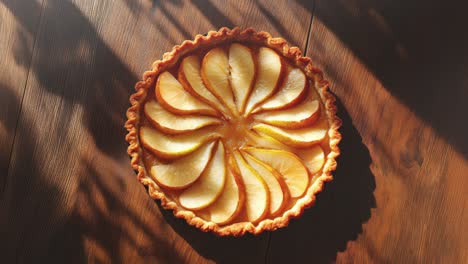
<point x="71" y="194"/>
<point x="400" y="195"/>
<point x="18" y="26"/>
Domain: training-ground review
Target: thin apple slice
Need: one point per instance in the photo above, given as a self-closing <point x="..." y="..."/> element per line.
<point x="279" y="192"/>
<point x="261" y="140"/>
<point x="173" y="146"/>
<point x="215" y="74"/>
<point x="291" y="92"/>
<point x="269" y="71"/>
<point x="230" y="202"/>
<point x="242" y="67"/>
<point x="191" y="79"/>
<point x="299" y="116"/>
<point x="313" y="158"/>
<point x="257" y="197"/>
<point x="176" y="99"/>
<point x="184" y="171"/>
<point x="299" y="138"/>
<point x="288" y="165"/>
<point x="210" y="184"/>
<point x="175" y="124"/>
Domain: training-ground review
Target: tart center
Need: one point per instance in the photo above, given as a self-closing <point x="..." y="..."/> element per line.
<point x="236" y="132"/>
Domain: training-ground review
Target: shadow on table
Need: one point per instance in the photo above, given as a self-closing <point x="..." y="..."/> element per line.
<point x="72" y="62"/>
<point x="339" y="212"/>
<point x="322" y="231"/>
<point x="417" y="49"/>
<point x="105" y="221"/>
<point x="9" y="112"/>
<point x="27" y="202"/>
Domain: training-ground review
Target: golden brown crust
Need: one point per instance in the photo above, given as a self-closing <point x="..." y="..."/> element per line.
<point x="211" y="39"/>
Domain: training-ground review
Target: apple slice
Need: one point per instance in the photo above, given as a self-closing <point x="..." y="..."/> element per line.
<point x="256" y="191"/>
<point x="184" y="171"/>
<point x="261" y="140"/>
<point x="242" y="67"/>
<point x="215" y="74"/>
<point x="313" y="158"/>
<point x="210" y="184"/>
<point x="288" y="165"/>
<point x="292" y="91"/>
<point x="300" y="138"/>
<point x="173" y="97"/>
<point x="230" y="202"/>
<point x="175" y="124"/>
<point x="269" y="70"/>
<point x="173" y="146"/>
<point x="191" y="80"/>
<point x="299" y="116"/>
<point x="279" y="192"/>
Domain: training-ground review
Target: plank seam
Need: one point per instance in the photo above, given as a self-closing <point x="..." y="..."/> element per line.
<point x="310" y="29"/>
<point x="20" y="110"/>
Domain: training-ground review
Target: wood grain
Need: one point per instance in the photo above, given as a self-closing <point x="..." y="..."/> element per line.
<point x="411" y="206"/>
<point x="17" y="31"/>
<point x="71" y="195"/>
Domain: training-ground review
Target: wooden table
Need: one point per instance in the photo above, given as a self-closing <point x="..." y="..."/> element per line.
<point x="68" y="194"/>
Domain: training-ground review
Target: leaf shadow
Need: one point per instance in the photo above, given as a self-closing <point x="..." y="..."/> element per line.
<point x="23" y="206"/>
<point x="213" y="14"/>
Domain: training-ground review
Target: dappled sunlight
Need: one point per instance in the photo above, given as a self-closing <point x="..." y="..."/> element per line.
<point x="112" y="211"/>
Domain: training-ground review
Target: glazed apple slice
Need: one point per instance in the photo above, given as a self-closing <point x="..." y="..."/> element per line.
<point x="191" y="79"/>
<point x="313" y="158"/>
<point x="288" y="165"/>
<point x="184" y="171"/>
<point x="300" y="138"/>
<point x="230" y="202"/>
<point x="176" y="99"/>
<point x="242" y="66"/>
<point x="210" y="184"/>
<point x="269" y="69"/>
<point x="173" y="146"/>
<point x="261" y="140"/>
<point x="257" y="196"/>
<point x="278" y="189"/>
<point x="175" y="124"/>
<point x="291" y="92"/>
<point x="215" y="74"/>
<point x="298" y="116"/>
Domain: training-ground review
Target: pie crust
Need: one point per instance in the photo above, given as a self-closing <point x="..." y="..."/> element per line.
<point x="212" y="39"/>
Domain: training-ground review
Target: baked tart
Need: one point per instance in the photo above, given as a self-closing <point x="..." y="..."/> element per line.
<point x="234" y="131"/>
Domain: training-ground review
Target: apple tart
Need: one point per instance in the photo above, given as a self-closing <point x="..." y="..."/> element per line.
<point x="234" y="131"/>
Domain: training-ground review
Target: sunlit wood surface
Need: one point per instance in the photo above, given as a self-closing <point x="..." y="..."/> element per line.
<point x="68" y="194"/>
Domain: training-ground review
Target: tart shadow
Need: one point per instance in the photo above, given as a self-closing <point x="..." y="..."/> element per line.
<point x="339" y="212"/>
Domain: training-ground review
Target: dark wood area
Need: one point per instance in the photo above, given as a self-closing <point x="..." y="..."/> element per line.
<point x="68" y="194"/>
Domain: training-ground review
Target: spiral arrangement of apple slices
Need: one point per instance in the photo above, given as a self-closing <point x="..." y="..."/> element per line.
<point x="236" y="135"/>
